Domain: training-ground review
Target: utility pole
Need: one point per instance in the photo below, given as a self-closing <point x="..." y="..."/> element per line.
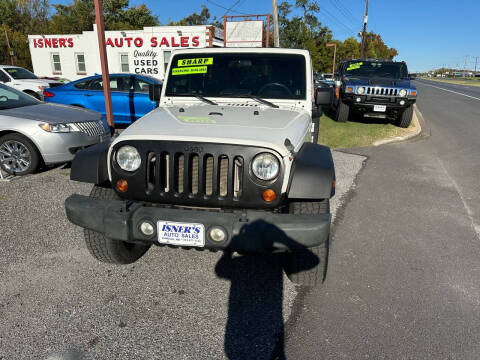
<point x="334" y="58"/>
<point x="10" y="51"/>
<point x="276" y="37"/>
<point x="103" y="61"/>
<point x="476" y="61"/>
<point x="364" y="32"/>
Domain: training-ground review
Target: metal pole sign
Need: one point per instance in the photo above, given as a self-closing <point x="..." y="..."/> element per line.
<point x="103" y="60"/>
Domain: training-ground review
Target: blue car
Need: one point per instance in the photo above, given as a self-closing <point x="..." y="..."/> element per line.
<point x="130" y="99"/>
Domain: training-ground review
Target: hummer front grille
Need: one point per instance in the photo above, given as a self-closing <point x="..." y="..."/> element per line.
<point x="385" y="91"/>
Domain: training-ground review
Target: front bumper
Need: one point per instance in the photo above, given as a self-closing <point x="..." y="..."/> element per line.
<point x="367" y="102"/>
<point x="62" y="147"/>
<point x="247" y="230"/>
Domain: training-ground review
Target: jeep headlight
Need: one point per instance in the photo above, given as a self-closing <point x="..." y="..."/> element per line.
<point x="360" y="90"/>
<point x="402" y="92"/>
<point x="265" y="166"/>
<point x="128" y="158"/>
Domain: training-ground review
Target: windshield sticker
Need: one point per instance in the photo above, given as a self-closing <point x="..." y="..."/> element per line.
<point x="189" y="70"/>
<point x="354" y="66"/>
<point x="197" y="119"/>
<point x="197" y="61"/>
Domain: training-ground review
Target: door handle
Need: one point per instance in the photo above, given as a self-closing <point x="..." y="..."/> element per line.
<point x="87" y="95"/>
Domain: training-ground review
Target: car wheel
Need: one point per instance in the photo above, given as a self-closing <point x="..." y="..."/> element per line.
<point x="18" y="155"/>
<point x="109" y="250"/>
<point x="343" y="111"/>
<point x="405" y="118"/>
<point x="308" y="267"/>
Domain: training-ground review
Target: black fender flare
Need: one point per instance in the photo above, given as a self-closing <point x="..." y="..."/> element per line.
<point x="313" y="174"/>
<point x="90" y="165"/>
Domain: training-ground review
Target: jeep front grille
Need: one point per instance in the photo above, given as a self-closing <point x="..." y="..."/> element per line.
<point x="385" y="91"/>
<point x="91" y="128"/>
<point x="194" y="174"/>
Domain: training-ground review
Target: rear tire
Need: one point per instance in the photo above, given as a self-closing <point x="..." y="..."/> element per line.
<point x="308" y="267"/>
<point x="109" y="250"/>
<point x="405" y="118"/>
<point x="343" y="112"/>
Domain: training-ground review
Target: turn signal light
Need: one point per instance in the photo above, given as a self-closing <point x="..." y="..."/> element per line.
<point x="413" y="93"/>
<point x="122" y="185"/>
<point x="269" y="195"/>
<point x="349" y="89"/>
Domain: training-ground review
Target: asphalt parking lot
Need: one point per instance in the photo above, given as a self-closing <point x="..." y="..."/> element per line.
<point x="57" y="302"/>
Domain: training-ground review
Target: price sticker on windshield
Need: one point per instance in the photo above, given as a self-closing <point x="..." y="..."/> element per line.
<point x="354" y="66"/>
<point x="189" y="70"/>
<point x="195" y="62"/>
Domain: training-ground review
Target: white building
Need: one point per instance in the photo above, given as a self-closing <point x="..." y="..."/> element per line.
<point x="144" y="51"/>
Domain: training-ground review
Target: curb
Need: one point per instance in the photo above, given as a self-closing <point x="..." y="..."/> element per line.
<point x="417" y="120"/>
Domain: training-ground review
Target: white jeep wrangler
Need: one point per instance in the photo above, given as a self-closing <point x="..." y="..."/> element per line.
<point x="226" y="162"/>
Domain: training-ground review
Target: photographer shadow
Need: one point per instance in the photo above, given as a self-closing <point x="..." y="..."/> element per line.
<point x="255" y="324"/>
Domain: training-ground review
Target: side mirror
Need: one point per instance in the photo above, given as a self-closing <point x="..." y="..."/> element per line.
<point x="324" y="96"/>
<point x="154" y="92"/>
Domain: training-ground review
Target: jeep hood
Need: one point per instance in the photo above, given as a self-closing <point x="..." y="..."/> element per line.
<point x="242" y="124"/>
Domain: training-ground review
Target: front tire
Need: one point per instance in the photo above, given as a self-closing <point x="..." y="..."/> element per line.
<point x="18" y="155"/>
<point x="308" y="267"/>
<point x="109" y="250"/>
<point x="343" y="112"/>
<point x="405" y="118"/>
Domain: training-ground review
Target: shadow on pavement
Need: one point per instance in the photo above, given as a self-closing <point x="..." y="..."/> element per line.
<point x="255" y="314"/>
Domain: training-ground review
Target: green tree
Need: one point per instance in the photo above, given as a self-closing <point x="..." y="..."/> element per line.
<point x="198" y="19"/>
<point x="376" y="48"/>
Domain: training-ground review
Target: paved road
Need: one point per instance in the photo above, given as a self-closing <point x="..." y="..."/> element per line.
<point x="473" y="91"/>
<point x="404" y="270"/>
<point x="57" y="302"/>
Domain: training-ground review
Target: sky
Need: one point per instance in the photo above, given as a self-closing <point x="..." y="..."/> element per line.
<point x="427" y="33"/>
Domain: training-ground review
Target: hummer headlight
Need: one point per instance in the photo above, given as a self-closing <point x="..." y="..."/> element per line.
<point x="361" y="90"/>
<point x="402" y="92"/>
<point x="265" y="166"/>
<point x="128" y="158"/>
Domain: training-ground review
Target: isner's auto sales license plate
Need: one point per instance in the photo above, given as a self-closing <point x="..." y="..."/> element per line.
<point x="181" y="234"/>
<point x="380" y="108"/>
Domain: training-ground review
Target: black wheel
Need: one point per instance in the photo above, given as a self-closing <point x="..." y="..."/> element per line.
<point x="405" y="118"/>
<point x="18" y="155"/>
<point x="109" y="250"/>
<point x="308" y="267"/>
<point x="343" y="111"/>
<point x="34" y="94"/>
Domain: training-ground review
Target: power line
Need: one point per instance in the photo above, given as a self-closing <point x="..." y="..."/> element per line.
<point x="225" y="8"/>
<point x="235" y="4"/>
<point x="337" y="20"/>
<point x="342" y="12"/>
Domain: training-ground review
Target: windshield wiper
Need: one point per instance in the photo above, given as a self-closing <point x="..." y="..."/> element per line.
<point x="254" y="97"/>
<point x="199" y="97"/>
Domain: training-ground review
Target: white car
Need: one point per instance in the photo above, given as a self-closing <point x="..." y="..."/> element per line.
<point x="24" y="80"/>
<point x="228" y="161"/>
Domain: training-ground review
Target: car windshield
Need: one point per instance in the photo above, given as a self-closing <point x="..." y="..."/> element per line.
<point x="272" y="76"/>
<point x="390" y="70"/>
<point x="11" y="98"/>
<point x="20" y="74"/>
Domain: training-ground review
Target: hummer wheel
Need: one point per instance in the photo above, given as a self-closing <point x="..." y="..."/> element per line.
<point x="308" y="267"/>
<point x="109" y="250"/>
<point x="343" y="112"/>
<point x="405" y="118"/>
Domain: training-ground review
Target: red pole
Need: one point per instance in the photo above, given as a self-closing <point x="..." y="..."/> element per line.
<point x="103" y="61"/>
<point x="268" y="30"/>
<point x="224" y="31"/>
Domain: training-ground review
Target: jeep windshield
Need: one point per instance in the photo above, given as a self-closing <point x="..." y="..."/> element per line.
<point x="391" y="70"/>
<point x="260" y="75"/>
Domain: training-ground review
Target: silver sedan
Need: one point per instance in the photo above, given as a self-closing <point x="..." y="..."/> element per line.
<point x="34" y="133"/>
